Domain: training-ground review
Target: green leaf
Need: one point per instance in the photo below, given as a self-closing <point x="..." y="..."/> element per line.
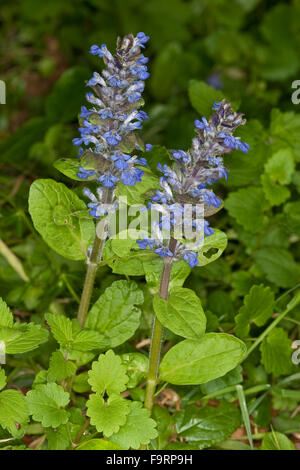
<point x="207" y="426"/>
<point x="280" y="167"/>
<point x="276" y="441"/>
<point x="136" y="367"/>
<point x="67" y="95"/>
<point x="278" y="265"/>
<point x="194" y="362"/>
<point x="285" y="130"/>
<point x="59" y="368"/>
<point x="212" y="248"/>
<point x="137" y="194"/>
<point x="233" y="377"/>
<point x="276" y="353"/>
<point x="274" y="193"/>
<point x="61" y="218"/>
<point x="138" y="429"/>
<point x="23" y="337"/>
<point x="13" y="412"/>
<point x="6" y="317"/>
<point x="108" y="375"/>
<point x="98" y="444"/>
<point x="115" y="314"/>
<point x="108" y="415"/>
<point x="203" y="96"/>
<point x="46" y="404"/>
<point x="68" y="167"/>
<point x="258" y="308"/>
<point x="182" y="313"/>
<point x="157" y="154"/>
<point x="247" y="206"/>
<point x="71" y="337"/>
<point x="2" y="379"/>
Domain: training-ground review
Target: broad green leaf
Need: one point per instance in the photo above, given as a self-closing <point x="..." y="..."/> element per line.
<point x="108" y="375"/>
<point x="136" y="367"/>
<point x="98" y="444"/>
<point x="182" y="313"/>
<point x="280" y="167"/>
<point x="274" y="192"/>
<point x="46" y="404"/>
<point x="285" y="130"/>
<point x="207" y="426"/>
<point x="59" y="368"/>
<point x="80" y="383"/>
<point x="276" y="353"/>
<point x="61" y="218"/>
<point x="278" y="265"/>
<point x="276" y="441"/>
<point x="258" y="308"/>
<point x="212" y="248"/>
<point x="13" y="412"/>
<point x="115" y="314"/>
<point x="108" y="415"/>
<point x="247" y="206"/>
<point x="202" y="97"/>
<point x="138" y="429"/>
<point x="71" y="337"/>
<point x="22" y="337"/>
<point x="192" y="362"/>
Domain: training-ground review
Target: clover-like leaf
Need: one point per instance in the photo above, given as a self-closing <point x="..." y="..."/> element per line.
<point x="108" y="415"/>
<point x="46" y="404"/>
<point x="138" y="429"/>
<point x="108" y="374"/>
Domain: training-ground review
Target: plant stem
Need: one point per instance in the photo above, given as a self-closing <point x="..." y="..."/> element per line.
<point x="93" y="261"/>
<point x="157" y="332"/>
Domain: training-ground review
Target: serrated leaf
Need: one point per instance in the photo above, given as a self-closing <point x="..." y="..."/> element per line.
<point x="207" y="426"/>
<point x="13" y="412"/>
<point x="276" y="441"/>
<point x="247" y="206"/>
<point x="108" y="375"/>
<point x="61" y="218"/>
<point x="274" y="193"/>
<point x="108" y="415"/>
<point x="280" y="167"/>
<point x="138" y="429"/>
<point x="46" y="404"/>
<point x="276" y="353"/>
<point x="115" y="314"/>
<point x="192" y="362"/>
<point x="182" y="313"/>
<point x="71" y="337"/>
<point x="258" y="308"/>
<point x="59" y="368"/>
<point x="6" y="317"/>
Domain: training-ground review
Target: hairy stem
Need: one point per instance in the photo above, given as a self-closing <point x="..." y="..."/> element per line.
<point x="92" y="263"/>
<point x="157" y="333"/>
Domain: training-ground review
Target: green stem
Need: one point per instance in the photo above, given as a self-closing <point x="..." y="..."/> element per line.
<point x="292" y="304"/>
<point x="157" y="333"/>
<point x="93" y="263"/>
